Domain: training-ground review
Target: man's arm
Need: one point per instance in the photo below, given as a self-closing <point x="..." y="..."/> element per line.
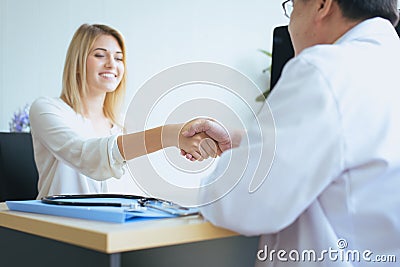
<point x="307" y="158"/>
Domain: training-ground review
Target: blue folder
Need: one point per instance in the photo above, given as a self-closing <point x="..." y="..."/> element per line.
<point x="107" y="214"/>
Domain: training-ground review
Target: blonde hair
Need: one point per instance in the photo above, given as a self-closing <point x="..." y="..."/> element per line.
<point x="74" y="86"/>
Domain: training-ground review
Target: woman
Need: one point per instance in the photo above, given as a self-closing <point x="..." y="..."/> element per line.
<point x="77" y="138"/>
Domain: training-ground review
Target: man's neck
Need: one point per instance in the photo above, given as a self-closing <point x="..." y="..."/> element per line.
<point x="335" y="28"/>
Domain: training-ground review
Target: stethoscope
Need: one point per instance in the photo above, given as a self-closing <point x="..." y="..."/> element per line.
<point x="140" y="203"/>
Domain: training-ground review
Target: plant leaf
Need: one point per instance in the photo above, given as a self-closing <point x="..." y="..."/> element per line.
<point x="265" y="52"/>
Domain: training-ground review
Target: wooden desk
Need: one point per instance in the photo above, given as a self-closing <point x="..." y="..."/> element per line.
<point x="29" y="239"/>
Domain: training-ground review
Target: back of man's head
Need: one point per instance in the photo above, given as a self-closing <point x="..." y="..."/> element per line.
<point x="365" y="9"/>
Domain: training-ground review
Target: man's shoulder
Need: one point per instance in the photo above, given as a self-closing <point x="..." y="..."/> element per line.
<point x="320" y="58"/>
<point x="322" y="54"/>
<point x="329" y="59"/>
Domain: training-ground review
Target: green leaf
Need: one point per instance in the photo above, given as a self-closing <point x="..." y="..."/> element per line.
<point x="269" y="54"/>
<point x="262" y="97"/>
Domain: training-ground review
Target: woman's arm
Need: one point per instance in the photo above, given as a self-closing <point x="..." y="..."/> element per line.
<point x="141" y="143"/>
<point x="53" y="126"/>
<point x="56" y="132"/>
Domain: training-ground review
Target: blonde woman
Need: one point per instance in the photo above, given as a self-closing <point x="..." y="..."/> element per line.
<point x="77" y="137"/>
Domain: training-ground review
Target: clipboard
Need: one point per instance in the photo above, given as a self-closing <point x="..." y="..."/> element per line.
<point x="97" y="213"/>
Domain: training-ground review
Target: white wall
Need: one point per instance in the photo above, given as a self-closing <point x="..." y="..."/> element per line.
<point x="159" y="33"/>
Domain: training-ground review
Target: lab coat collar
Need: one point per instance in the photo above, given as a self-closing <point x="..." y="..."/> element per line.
<point x="368" y="29"/>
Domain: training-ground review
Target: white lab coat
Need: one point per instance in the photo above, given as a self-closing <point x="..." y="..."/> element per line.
<point x="336" y="172"/>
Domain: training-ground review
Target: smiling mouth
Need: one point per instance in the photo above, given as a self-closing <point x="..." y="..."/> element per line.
<point x="108" y="75"/>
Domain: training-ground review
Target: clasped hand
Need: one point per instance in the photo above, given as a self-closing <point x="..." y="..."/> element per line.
<point x="203" y="138"/>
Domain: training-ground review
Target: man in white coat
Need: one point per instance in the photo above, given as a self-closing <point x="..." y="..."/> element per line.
<point x="332" y="196"/>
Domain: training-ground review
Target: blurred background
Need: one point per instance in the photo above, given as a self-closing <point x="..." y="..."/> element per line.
<point x="35" y="34"/>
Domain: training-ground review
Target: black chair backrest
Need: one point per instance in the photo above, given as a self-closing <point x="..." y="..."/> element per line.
<point x="398" y="29"/>
<point x="18" y="173"/>
<point x="282" y="52"/>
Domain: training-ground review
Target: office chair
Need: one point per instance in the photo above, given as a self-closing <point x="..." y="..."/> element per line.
<point x="282" y="52"/>
<point x="18" y="173"/>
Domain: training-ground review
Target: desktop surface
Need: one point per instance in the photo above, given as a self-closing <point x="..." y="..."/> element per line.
<point x="113" y="237"/>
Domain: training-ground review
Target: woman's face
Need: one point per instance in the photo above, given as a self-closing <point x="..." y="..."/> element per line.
<point x="104" y="65"/>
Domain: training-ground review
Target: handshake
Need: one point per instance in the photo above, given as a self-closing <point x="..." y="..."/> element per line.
<point x="200" y="139"/>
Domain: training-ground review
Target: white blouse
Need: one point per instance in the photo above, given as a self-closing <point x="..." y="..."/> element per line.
<point x="70" y="156"/>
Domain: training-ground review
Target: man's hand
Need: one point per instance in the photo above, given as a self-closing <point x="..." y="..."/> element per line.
<point x="215" y="131"/>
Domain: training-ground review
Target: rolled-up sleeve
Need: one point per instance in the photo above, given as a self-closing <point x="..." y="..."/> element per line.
<point x="54" y="126"/>
<point x="115" y="159"/>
